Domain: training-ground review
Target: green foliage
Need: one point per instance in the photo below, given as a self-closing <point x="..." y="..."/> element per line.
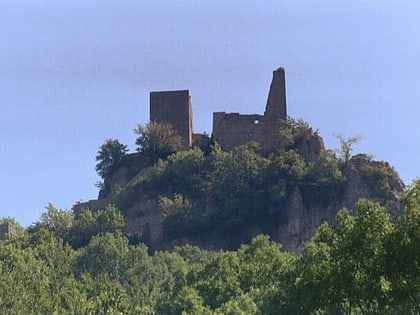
<point x="222" y="190"/>
<point x="37" y="280"/>
<point x="88" y="224"/>
<point x="202" y="142"/>
<point x="182" y="172"/>
<point x="323" y="181"/>
<point x="58" y="221"/>
<point x="402" y="255"/>
<point x="237" y="185"/>
<point x="352" y="267"/>
<point x="218" y="281"/>
<point x="104" y="296"/>
<point x="157" y="140"/>
<point x="109" y="156"/>
<point x="290" y="164"/>
<point x="346" y="146"/>
<point x="75" y="230"/>
<point x="379" y="176"/>
<point x="106" y="254"/>
<point x="236" y="189"/>
<point x="366" y="263"/>
<point x="15" y="230"/>
<point x="180" y="217"/>
<point x="264" y="275"/>
<point x="293" y="131"/>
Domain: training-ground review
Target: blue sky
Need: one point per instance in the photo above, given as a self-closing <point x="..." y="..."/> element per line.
<point x="74" y="73"/>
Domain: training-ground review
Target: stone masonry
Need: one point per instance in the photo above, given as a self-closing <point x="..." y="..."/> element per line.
<point x="233" y="129"/>
<point x="229" y="129"/>
<point x="174" y="108"/>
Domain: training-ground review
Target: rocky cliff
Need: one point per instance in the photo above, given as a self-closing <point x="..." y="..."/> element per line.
<point x="310" y="185"/>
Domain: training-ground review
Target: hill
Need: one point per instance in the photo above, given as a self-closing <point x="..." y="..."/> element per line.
<point x="256" y="174"/>
<point x="220" y="199"/>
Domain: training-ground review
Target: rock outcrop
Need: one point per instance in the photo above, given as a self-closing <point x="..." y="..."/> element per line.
<point x="364" y="178"/>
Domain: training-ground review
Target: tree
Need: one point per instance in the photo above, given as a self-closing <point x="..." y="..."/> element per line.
<point x="342" y="269"/>
<point x="14" y="230"/>
<point x="57" y="221"/>
<point x="105" y="254"/>
<point x="104" y="296"/>
<point x="346" y="146"/>
<point x="264" y="270"/>
<point x="88" y="224"/>
<point x="109" y="156"/>
<point x="157" y="140"/>
<point x="236" y="184"/>
<point x="218" y="280"/>
<point x="183" y="172"/>
<point x="181" y="217"/>
<point x="203" y="142"/>
<point x="402" y="258"/>
<point x="293" y="131"/>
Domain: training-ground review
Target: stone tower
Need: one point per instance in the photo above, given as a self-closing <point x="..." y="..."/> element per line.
<point x="174" y="108"/>
<point x="276" y="102"/>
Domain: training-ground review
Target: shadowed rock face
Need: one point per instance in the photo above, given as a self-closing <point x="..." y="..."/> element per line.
<point x="301" y="222"/>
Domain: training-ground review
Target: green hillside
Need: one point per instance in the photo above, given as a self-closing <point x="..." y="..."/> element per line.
<point x="221" y="199"/>
<point x="207" y="231"/>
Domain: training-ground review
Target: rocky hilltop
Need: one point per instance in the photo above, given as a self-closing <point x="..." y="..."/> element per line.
<point x="256" y="174"/>
<point x="296" y="188"/>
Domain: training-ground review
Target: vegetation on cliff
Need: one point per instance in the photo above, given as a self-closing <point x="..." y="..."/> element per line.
<point x="206" y="191"/>
<point x="109" y="158"/>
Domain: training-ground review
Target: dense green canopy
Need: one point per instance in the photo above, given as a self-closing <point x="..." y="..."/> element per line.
<point x="368" y="263"/>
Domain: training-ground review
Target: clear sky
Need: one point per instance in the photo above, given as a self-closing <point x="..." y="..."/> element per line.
<point x="74" y="73"/>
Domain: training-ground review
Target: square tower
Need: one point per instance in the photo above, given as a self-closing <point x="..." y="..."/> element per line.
<point x="174" y="108"/>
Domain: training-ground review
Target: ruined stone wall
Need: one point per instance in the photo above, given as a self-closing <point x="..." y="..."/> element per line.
<point x="229" y="130"/>
<point x="93" y="205"/>
<point x="173" y="107"/>
<point x="233" y="129"/>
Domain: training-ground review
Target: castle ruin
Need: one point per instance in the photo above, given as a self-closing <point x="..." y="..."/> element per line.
<point x="174" y="108"/>
<point x="300" y="216"/>
<point x="229" y="129"/>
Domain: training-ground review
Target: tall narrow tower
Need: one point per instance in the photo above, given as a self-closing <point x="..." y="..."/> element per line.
<point x="276" y="102"/>
<point x="174" y="108"/>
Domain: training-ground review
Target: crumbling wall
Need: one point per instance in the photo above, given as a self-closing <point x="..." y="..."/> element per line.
<point x="233" y="129"/>
<point x="230" y="130"/>
<point x="174" y="108"/>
